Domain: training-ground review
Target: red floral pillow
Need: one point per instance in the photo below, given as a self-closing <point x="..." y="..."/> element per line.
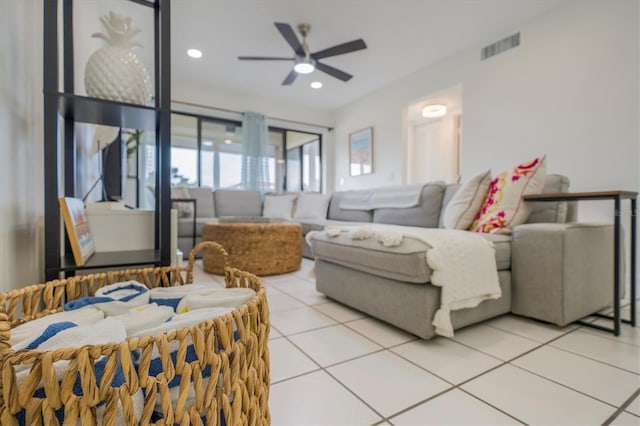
<point x="503" y="207"/>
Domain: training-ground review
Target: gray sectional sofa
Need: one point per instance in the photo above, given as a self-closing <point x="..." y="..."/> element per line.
<point x="550" y="268"/>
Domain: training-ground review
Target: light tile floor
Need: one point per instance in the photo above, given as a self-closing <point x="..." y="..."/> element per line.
<point x="333" y="365"/>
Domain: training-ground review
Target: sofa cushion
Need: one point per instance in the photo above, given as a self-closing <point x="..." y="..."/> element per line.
<point x="185" y="226"/>
<point x="336" y="213"/>
<point x="552" y="212"/>
<point x="312" y="205"/>
<point x="406" y="262"/>
<point x="279" y="206"/>
<point x="503" y="207"/>
<point x="449" y="192"/>
<point x="464" y="205"/>
<point x="205" y="206"/>
<point x="230" y="202"/>
<point x="426" y="214"/>
<point x="502" y="244"/>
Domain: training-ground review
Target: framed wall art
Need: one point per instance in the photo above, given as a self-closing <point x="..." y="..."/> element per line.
<point x="361" y="152"/>
<point x="78" y="231"/>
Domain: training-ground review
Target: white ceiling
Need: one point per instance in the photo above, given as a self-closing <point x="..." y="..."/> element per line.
<point x="402" y="36"/>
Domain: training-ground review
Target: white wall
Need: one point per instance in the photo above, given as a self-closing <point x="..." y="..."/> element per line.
<point x="570" y="90"/>
<point x="21" y="177"/>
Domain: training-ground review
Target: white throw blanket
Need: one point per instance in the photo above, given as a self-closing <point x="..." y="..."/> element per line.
<point x="401" y="196"/>
<point x="463" y="264"/>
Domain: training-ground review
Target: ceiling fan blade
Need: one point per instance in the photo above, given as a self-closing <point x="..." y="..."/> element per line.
<point x="289" y="35"/>
<point x="350" y="46"/>
<point x="290" y="78"/>
<point x="264" y="58"/>
<point x="335" y="72"/>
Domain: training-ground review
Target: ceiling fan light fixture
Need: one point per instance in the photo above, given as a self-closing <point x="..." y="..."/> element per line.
<point x="194" y="53"/>
<point x="304" y="65"/>
<point x="434" y="111"/>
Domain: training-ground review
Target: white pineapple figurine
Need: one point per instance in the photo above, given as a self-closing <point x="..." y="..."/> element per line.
<point x="114" y="72"/>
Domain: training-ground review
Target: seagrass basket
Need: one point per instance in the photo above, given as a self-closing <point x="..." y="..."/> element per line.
<point x="231" y="349"/>
<point x="260" y="248"/>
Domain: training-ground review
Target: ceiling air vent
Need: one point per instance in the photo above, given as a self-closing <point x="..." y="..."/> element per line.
<point x="500" y="46"/>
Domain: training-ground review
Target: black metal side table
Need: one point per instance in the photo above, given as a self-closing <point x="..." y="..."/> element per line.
<point x="617" y="197"/>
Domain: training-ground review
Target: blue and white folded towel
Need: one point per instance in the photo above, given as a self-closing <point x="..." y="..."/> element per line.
<point x="144" y="317"/>
<point x="184" y="320"/>
<point x="171" y="296"/>
<point x="28" y="330"/>
<point x="214" y="298"/>
<point x="67" y="335"/>
<point x="114" y="299"/>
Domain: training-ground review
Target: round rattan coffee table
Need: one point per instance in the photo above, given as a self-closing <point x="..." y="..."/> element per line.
<point x="259" y="248"/>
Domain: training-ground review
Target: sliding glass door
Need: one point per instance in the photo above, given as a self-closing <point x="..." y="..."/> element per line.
<point x="207" y="152"/>
<point x="304" y="162"/>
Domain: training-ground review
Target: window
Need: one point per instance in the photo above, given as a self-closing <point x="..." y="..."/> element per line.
<point x="304" y="165"/>
<point x="311" y="176"/>
<point x="184" y="150"/>
<point x="294" y="170"/>
<point x="207" y="152"/>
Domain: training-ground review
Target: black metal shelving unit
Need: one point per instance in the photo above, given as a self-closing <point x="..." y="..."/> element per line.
<point x="62" y="108"/>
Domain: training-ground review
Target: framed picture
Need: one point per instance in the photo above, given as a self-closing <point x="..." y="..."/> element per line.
<point x="361" y="152"/>
<point x="77" y="227"/>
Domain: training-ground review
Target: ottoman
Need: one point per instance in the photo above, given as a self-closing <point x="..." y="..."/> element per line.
<point x="259" y="248"/>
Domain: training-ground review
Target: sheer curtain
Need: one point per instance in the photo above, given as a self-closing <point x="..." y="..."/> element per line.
<point x="255" y="165"/>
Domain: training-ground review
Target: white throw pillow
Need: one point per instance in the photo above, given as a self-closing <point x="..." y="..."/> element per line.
<point x="312" y="205"/>
<point x="279" y="206"/>
<point x="184" y="209"/>
<point x="466" y="202"/>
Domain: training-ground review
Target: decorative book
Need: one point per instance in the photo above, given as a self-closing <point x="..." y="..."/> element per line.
<point x="78" y="231"/>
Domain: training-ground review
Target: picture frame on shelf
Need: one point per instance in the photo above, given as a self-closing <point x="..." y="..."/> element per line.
<point x="361" y="152"/>
<point x="76" y="224"/>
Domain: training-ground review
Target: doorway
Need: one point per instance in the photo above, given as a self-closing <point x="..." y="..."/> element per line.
<point x="433" y="143"/>
<point x="435" y="146"/>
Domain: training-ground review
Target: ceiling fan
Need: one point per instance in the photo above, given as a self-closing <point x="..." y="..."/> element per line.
<point x="305" y="61"/>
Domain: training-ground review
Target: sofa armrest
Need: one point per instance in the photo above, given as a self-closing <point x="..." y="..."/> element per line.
<point x="562" y="272"/>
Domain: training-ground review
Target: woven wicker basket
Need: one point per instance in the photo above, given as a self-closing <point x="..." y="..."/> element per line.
<point x="260" y="248"/>
<point x="233" y="346"/>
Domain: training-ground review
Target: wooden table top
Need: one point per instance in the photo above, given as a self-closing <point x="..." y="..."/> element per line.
<point x="594" y="195"/>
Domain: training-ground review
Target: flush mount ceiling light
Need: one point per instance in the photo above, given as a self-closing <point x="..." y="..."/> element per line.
<point x="194" y="53"/>
<point x="434" y="111"/>
<point x="316" y="84"/>
<point x="227" y="141"/>
<point x="304" y="66"/>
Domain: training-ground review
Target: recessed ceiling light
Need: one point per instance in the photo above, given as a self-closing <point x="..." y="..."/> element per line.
<point x="227" y="141"/>
<point x="316" y="84"/>
<point x="194" y="53"/>
<point x="434" y="110"/>
<point x="207" y="143"/>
